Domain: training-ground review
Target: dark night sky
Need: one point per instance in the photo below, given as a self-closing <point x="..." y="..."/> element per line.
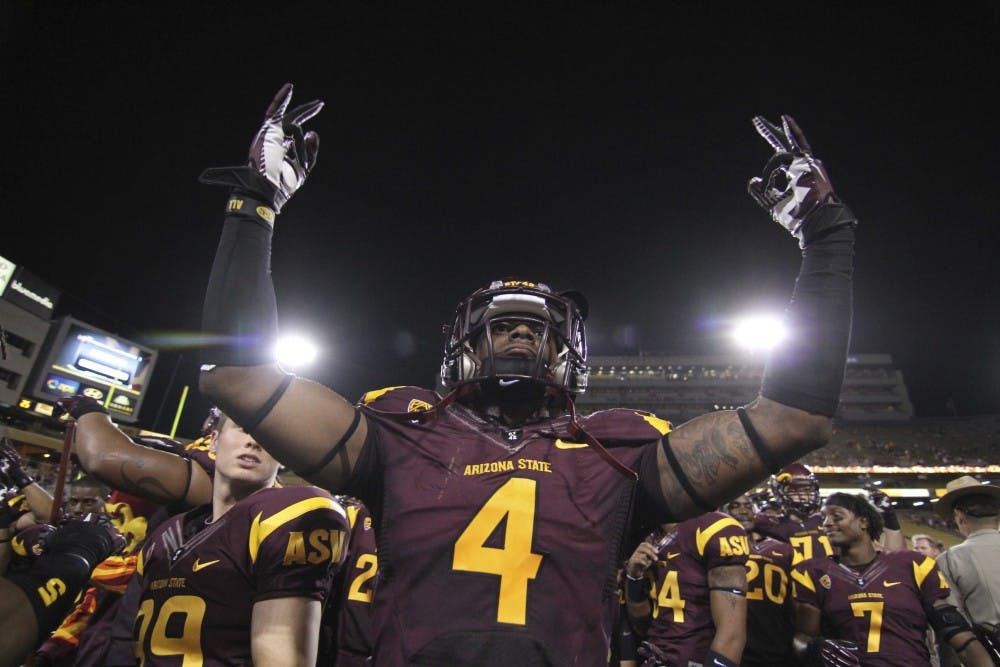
<point x="602" y="148"/>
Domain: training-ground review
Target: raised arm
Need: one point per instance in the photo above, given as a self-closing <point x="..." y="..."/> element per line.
<point x="112" y="457"/>
<point x="13" y="475"/>
<point x="303" y="424"/>
<point x="717" y="456"/>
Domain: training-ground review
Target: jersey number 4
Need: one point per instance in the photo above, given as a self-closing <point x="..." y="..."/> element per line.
<point x="514" y="562"/>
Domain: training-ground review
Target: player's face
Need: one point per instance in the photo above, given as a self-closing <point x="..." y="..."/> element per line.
<point x="922" y="545"/>
<point x="516" y="338"/>
<point x="83" y="500"/>
<point x="842" y="526"/>
<point x="741" y="509"/>
<point x="801" y="493"/>
<point x="239" y="458"/>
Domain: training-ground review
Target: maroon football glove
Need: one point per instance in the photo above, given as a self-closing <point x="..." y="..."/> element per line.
<point x="78" y="406"/>
<point x="93" y="538"/>
<point x="833" y="652"/>
<point x="794" y="184"/>
<point x="11" y="472"/>
<point x="281" y="155"/>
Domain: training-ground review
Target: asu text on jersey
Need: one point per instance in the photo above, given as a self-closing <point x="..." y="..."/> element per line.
<point x="201" y="579"/>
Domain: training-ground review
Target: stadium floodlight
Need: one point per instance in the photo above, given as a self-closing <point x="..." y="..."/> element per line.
<point x="760" y="332"/>
<point x="295" y="351"/>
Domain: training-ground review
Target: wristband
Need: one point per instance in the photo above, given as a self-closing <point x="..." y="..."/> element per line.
<point x="636" y="590"/>
<point x="248" y="206"/>
<point x="713" y="659"/>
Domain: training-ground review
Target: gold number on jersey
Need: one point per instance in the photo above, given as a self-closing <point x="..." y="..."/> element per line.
<point x="514" y="563"/>
<point x="187" y="644"/>
<point x="803" y="547"/>
<point x="368" y="564"/>
<point x="774" y="583"/>
<point x="825" y="541"/>
<point x="670" y="597"/>
<point x="874" y="623"/>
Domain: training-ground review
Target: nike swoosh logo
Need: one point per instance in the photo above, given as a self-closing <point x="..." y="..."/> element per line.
<point x="670" y="555"/>
<point x="890" y="584"/>
<point x="507" y="383"/>
<point x="198" y="565"/>
<point x="777" y="553"/>
<point x="562" y="444"/>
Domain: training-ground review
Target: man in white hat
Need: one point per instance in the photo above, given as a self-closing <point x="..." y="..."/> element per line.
<point x="973" y="567"/>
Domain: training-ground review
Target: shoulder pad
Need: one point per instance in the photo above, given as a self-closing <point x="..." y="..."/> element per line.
<point x="400" y="399"/>
<point x="623" y="426"/>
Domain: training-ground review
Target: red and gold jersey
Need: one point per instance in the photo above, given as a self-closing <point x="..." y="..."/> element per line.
<point x="883" y="609"/>
<point x="806" y="537"/>
<point x="770" y="617"/>
<point x="499" y="542"/>
<point x="201" y="579"/>
<point x="682" y="626"/>
<point x="349" y="612"/>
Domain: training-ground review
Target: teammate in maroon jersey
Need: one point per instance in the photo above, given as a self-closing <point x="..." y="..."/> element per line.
<point x="770" y="622"/>
<point x="686" y="591"/>
<point x="875" y="606"/>
<point x="501" y="515"/>
<point x="348" y="618"/>
<point x="796" y="490"/>
<point x="243" y="579"/>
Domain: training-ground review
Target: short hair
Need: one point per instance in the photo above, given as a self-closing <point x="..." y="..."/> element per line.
<point x="88" y="480"/>
<point x="860" y="507"/>
<point x="978" y="505"/>
<point x="934" y="542"/>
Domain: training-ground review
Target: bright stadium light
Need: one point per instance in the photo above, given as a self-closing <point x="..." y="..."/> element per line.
<point x="759" y="333"/>
<point x="295" y="351"/>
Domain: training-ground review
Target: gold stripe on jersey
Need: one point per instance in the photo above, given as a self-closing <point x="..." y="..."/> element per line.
<point x="804" y="579"/>
<point x="701" y="538"/>
<point x="922" y="569"/>
<point x="376" y="393"/>
<point x="661" y="425"/>
<point x="260" y="530"/>
<point x="140" y="562"/>
<point x="352" y="514"/>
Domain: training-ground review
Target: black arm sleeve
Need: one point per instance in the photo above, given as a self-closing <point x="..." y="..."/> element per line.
<point x="807" y="371"/>
<point x="240" y="314"/>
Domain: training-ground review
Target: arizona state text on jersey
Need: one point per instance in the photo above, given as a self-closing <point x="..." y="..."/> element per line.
<point x="202" y="579"/>
<point x="882" y="609"/>
<point x="497" y="542"/>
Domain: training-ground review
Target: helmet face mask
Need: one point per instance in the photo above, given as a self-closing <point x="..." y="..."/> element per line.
<point x="797" y="490"/>
<point x="556" y="320"/>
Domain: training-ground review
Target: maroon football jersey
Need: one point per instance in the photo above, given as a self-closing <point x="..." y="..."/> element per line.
<point x="349" y="611"/>
<point x="770" y="617"/>
<point x="882" y="609"/>
<point x="682" y="626"/>
<point x="498" y="542"/>
<point x="202" y="579"/>
<point x="806" y="537"/>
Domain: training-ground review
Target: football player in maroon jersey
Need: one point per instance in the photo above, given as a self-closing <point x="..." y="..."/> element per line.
<point x="796" y="489"/>
<point x="501" y="512"/>
<point x="242" y="579"/>
<point x="685" y="589"/>
<point x="770" y="620"/>
<point x="875" y="605"/>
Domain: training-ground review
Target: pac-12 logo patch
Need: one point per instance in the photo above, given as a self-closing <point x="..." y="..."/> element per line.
<point x="825" y="582"/>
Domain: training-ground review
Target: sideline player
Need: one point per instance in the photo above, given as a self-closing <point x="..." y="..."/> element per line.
<point x="876" y="605"/>
<point x="770" y="615"/>
<point x="796" y="489"/>
<point x="691" y="606"/>
<point x="243" y="579"/>
<point x="501" y="513"/>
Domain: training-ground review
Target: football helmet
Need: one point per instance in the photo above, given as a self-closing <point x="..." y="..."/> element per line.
<point x="556" y="318"/>
<point x="797" y="490"/>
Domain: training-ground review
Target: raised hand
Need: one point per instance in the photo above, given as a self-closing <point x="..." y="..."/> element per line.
<point x="10" y="467"/>
<point x="794" y="184"/>
<point x="281" y="154"/>
<point x="78" y="406"/>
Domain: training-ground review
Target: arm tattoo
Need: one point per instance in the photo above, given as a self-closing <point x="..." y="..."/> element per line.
<point x="714" y="448"/>
<point x="146" y="486"/>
